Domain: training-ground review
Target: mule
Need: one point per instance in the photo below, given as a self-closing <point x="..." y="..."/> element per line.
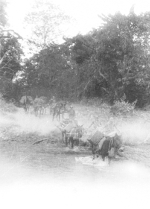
<point x="73" y="136"/>
<point x="95" y="140"/>
<point x="59" y="109"/>
<point x="110" y="147"/>
<point x="39" y="106"/>
<point x="26" y="102"/>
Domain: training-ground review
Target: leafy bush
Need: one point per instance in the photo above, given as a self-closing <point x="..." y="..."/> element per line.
<point x="6" y="107"/>
<point x="95" y="101"/>
<point x="122" y="108"/>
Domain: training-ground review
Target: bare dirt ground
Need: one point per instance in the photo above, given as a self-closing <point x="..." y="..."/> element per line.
<point x="27" y="139"/>
<point x="36" y="166"/>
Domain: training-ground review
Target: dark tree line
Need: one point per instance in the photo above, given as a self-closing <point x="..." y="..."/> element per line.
<point x="111" y="62"/>
<point x="10" y="56"/>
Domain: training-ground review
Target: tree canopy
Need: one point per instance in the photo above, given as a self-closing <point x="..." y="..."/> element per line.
<point x="111" y="62"/>
<point x="10" y="54"/>
<point x="45" y="22"/>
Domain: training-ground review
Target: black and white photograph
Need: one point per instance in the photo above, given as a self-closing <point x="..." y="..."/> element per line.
<point x="74" y="104"/>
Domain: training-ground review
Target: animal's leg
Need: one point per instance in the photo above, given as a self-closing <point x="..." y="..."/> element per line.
<point x="58" y="114"/>
<point x="93" y="157"/>
<point x="93" y="152"/>
<point x="25" y="107"/>
<point x="77" y="142"/>
<point x="63" y="136"/>
<point x="103" y="158"/>
<point x="71" y="142"/>
<point x="66" y="140"/>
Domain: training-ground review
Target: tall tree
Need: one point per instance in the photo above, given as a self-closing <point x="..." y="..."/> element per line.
<point x="47" y="69"/>
<point x="115" y="55"/>
<point x="124" y="51"/>
<point x="10" y="54"/>
<point x="45" y="22"/>
<point x="109" y="61"/>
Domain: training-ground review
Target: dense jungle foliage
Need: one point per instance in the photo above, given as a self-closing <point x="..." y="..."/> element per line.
<point x="111" y="62"/>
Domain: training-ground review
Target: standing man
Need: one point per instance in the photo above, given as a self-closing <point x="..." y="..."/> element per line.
<point x="72" y="113"/>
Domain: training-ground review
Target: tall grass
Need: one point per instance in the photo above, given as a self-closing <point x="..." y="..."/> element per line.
<point x="133" y="126"/>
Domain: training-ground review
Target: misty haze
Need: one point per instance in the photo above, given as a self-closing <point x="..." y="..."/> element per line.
<point x="74" y="104"/>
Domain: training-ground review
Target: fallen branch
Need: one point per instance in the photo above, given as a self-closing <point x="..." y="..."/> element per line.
<point x="37" y="142"/>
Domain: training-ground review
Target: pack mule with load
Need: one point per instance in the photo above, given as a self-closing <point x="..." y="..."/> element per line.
<point x="106" y="146"/>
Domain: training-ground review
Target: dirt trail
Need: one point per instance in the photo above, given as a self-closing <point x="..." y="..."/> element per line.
<point x="32" y="142"/>
<point x="26" y="146"/>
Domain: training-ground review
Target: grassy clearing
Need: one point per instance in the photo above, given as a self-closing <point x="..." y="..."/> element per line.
<point x="93" y="115"/>
<point x="133" y="127"/>
<point x="34" y="141"/>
